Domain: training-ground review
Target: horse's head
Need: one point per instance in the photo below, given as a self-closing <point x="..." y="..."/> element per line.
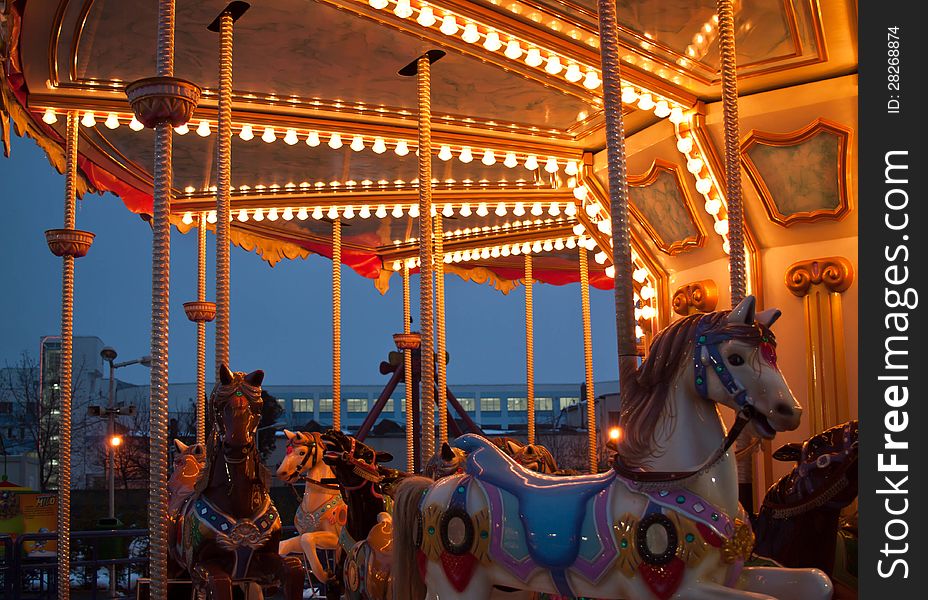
<point x="735" y="364"/>
<point x="188" y="465"/>
<point x="447" y="461"/>
<point x="353" y="462"/>
<point x="304" y="454"/>
<point x="236" y="405"/>
<point x="509" y="446"/>
<point x="536" y="457"/>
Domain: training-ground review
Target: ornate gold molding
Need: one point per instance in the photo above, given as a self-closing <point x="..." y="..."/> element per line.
<point x="835" y="273"/>
<point x="671" y="247"/>
<point x="697" y="297"/>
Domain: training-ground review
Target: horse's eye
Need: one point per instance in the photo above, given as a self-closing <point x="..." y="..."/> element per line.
<point x="735" y="359"/>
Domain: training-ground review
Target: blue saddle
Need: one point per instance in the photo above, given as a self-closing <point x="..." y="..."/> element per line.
<point x="551" y="509"/>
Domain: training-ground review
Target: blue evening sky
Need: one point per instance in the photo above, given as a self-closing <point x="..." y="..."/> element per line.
<point x="281" y="316"/>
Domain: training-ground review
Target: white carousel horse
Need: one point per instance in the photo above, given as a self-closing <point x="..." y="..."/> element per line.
<point x="322" y="512"/>
<point x="668" y="527"/>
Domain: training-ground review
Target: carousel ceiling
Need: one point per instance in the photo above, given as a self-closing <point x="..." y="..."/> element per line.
<point x="325" y="128"/>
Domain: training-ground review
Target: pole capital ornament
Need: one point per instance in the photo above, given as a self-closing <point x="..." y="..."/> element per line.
<point x="699" y="296"/>
<point x="836" y="273"/>
<point x="69" y="242"/>
<point x="158" y="100"/>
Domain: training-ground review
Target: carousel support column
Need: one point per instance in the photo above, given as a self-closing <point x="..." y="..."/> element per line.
<point x="529" y="350"/>
<point x="442" y="386"/>
<point x="162" y="103"/>
<point x="820" y="283"/>
<point x="408" y="381"/>
<point x="68" y="243"/>
<point x="618" y="190"/>
<point x="337" y="325"/>
<point x="588" y="359"/>
<point x="201" y="312"/>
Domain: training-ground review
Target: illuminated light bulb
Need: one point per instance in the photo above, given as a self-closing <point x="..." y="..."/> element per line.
<point x="495" y="252"/>
<point x="531" y="163"/>
<point x="447" y="211"/>
<point x="647" y="312"/>
<point x="721" y="227"/>
<point x="466" y="255"/>
<point x="50" y="116"/>
<point x="348" y="213"/>
<point x="410" y="263"/>
<point x="637" y="311"/>
<point x="247" y="133"/>
<point x="203" y="128"/>
<point x="259" y="214"/>
<point x="629" y="95"/>
<point x="591" y="81"/>
<point x="381" y="212"/>
<point x="610" y="272"/>
<point x="243" y="215"/>
<point x="685" y="145"/>
<point x="448" y="258"/>
<point x="639" y="332"/>
<point x="378" y="4"/>
<point x="526" y="248"/>
<point x="511" y="161"/>
<point x="365" y="212"/>
<point x="288" y="214"/>
<point x="676" y="115"/>
<point x="604" y="226"/>
<point x="571" y="168"/>
<point x="211" y="216"/>
<point x="312" y="140"/>
<point x="269" y="135"/>
<point x="647" y="292"/>
<point x="302" y="214"/>
<point x="403" y="10"/>
<point x="188" y="218"/>
<point x="466" y="156"/>
<point x="554" y="66"/>
<point x="88" y="120"/>
<point x="703" y="185"/>
<point x="485" y="253"/>
<point x="592" y="209"/>
<point x="513" y="50"/>
<point x="492" y="43"/>
<point x="317" y="213"/>
<point x="519" y="209"/>
<point x="536" y="247"/>
<point x="726" y="247"/>
<point x="578" y="229"/>
<point x="537" y="210"/>
<point x="488" y="158"/>
<point x="694" y="165"/>
<point x="413" y="211"/>
<point x="272" y="214"/>
<point x="548" y="246"/>
<point x="445" y="153"/>
<point x="182" y="130"/>
<point x="645" y="102"/>
<point x="554" y="210"/>
<point x="470" y="34"/>
<point x="504" y="251"/>
<point x="533" y="58"/>
<point x="465" y="210"/>
<point x="482" y="209"/>
<point x="600" y="258"/>
<point x="573" y="74"/>
<point x="590" y="243"/>
<point x="559" y="244"/>
<point x="379" y="146"/>
<point x="397" y="211"/>
<point x="516" y="250"/>
<point x="290" y="137"/>
<point x="571" y="243"/>
<point x="331" y="214"/>
<point x="713" y="206"/>
<point x="448" y="25"/>
<point x="397" y="265"/>
<point x="357" y="143"/>
<point x="661" y="109"/>
<point x="570" y="209"/>
<point x="135" y="124"/>
<point x="335" y="141"/>
<point x="551" y="165"/>
<point x="640" y="275"/>
<point x="189" y="189"/>
<point x="112" y="121"/>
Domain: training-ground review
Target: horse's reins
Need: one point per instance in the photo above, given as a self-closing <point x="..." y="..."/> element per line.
<point x="301" y="478"/>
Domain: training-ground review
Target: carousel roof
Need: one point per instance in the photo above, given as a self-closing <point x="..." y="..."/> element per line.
<point x="324" y="127"/>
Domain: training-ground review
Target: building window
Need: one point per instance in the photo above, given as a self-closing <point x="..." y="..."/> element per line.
<point x="516" y="404"/>
<point x="388" y="407"/>
<point x="325" y="405"/>
<point x="357" y="405"/>
<point x="569" y="401"/>
<point x="544" y="404"/>
<point x="489" y="404"/>
<point x="302" y="405"/>
<point x="468" y="404"/>
<point x="403" y="405"/>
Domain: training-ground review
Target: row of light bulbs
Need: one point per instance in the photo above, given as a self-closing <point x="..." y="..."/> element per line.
<point x="704" y="183"/>
<point x="398" y="184"/>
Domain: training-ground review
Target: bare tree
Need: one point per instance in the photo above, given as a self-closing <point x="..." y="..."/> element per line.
<point x="131" y="460"/>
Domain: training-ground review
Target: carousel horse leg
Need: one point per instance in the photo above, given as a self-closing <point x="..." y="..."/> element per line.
<point x="289" y="571"/>
<point x="808" y="584"/>
<point x="309" y="542"/>
<point x="214" y="579"/>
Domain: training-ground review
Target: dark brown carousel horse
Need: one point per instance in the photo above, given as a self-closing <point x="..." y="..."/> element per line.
<point x="228" y="530"/>
<point x="798" y="522"/>
<point x="366" y="540"/>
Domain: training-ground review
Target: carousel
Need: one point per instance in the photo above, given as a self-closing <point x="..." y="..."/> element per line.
<point x="695" y="159"/>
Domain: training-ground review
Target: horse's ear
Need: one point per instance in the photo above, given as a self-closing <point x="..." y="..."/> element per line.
<point x="225" y="375"/>
<point x="788" y="452"/>
<point x="199" y="449"/>
<point x="743" y="314"/>
<point x="290" y="435"/>
<point x="255" y="378"/>
<point x="447" y="453"/>
<point x="513" y="446"/>
<point x="768" y="317"/>
<point x="383" y="457"/>
<point x="180" y="445"/>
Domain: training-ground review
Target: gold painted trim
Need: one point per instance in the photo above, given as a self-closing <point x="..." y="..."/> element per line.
<point x="675" y="247"/>
<point x="835" y="273"/>
<point x="795" y="138"/>
<point x="697" y="297"/>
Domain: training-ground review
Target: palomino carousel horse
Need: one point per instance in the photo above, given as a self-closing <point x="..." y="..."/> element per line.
<point x="188" y="467"/>
<point x="322" y="512"/>
<point x="798" y="522"/>
<point x="366" y="540"/>
<point x="675" y="530"/>
<point x="228" y="530"/>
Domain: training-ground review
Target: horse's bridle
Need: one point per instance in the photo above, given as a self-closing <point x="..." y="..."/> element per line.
<point x="311" y="452"/>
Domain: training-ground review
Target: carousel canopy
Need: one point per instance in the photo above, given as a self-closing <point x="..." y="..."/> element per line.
<point x="324" y="127"/>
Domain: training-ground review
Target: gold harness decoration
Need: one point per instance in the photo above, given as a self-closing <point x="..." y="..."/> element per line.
<point x="432" y="544"/>
<point x="693" y="547"/>
<point x="740" y="545"/>
<point x="628" y="559"/>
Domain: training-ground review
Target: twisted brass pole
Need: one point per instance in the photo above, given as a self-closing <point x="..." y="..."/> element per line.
<point x="160" y="314"/>
<point x="65" y="358"/>
<point x="337" y="325"/>
<point x="529" y="350"/>
<point x="618" y="189"/>
<point x="427" y="366"/>
<point x="592" y="432"/>
<point x="407" y="375"/>
<point x="440" y="327"/>
<point x="224" y="192"/>
<point x="201" y="331"/>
